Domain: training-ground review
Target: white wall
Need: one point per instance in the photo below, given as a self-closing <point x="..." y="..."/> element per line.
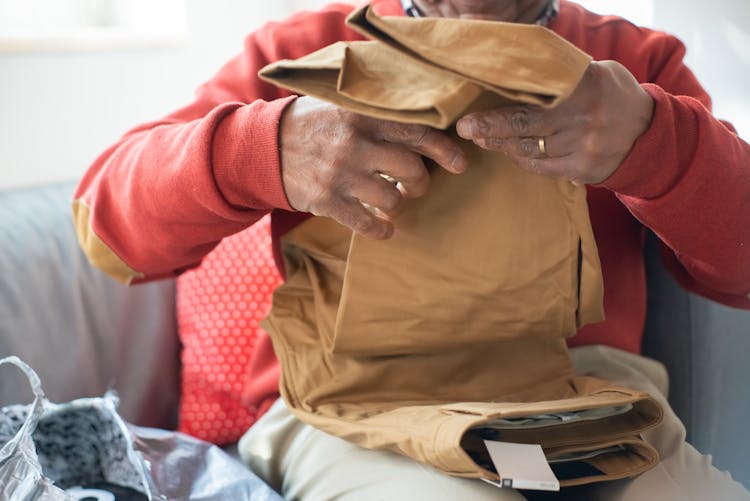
<point x="59" y="110"/>
<point x="717" y="36"/>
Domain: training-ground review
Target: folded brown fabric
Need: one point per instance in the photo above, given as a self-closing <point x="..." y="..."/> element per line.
<point x="417" y="344"/>
<point x="522" y="62"/>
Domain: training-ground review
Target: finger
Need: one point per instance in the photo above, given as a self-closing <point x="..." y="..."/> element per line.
<point x="432" y="143"/>
<point x="555" y="145"/>
<point x="406" y="169"/>
<point x="351" y="213"/>
<point x="507" y="122"/>
<point x="380" y="194"/>
<point x="564" y="167"/>
<point x="571" y="155"/>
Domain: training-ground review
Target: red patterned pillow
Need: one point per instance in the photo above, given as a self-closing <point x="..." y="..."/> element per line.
<point x="219" y="307"/>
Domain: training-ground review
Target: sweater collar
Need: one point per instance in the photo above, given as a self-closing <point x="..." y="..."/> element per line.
<point x="549" y="13"/>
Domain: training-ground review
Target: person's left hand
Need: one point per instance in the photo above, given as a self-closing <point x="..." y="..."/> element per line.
<point x="584" y="139"/>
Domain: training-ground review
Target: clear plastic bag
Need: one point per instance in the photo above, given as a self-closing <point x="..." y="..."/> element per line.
<point x="84" y="450"/>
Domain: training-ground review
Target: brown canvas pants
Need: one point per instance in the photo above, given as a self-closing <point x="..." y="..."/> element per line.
<point x="414" y="344"/>
<point x="301" y="462"/>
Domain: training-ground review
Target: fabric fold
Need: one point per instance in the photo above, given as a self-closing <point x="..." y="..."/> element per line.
<point x="417" y="343"/>
<point x="521" y="62"/>
<point x="359" y="76"/>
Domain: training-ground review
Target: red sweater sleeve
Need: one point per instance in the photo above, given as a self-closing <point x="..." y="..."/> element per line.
<point x="167" y="192"/>
<point x="687" y="178"/>
<point x="696" y="198"/>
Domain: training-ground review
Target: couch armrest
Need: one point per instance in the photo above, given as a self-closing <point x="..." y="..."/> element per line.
<point x="82" y="332"/>
<point x="705" y="347"/>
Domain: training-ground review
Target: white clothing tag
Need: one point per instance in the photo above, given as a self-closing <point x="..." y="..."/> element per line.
<point x="521" y="466"/>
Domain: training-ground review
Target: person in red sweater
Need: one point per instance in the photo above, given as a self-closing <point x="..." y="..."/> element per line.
<point x="638" y="131"/>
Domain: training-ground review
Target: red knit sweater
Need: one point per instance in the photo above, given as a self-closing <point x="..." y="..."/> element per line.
<point x="164" y="195"/>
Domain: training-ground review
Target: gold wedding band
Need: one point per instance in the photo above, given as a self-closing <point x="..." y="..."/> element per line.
<point x="542" y="146"/>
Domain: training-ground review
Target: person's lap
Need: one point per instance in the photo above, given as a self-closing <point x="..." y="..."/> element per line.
<point x="301" y="462"/>
<point x="315" y="465"/>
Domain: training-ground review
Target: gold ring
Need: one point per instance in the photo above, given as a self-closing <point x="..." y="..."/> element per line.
<point x="388" y="178"/>
<point x="542" y="146"/>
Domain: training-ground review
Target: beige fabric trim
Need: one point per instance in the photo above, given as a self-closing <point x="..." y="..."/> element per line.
<point x="98" y="253"/>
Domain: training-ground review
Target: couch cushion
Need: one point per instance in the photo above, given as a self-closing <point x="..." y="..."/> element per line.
<point x="219" y="307"/>
<point x="704" y="346"/>
<point x="83" y="332"/>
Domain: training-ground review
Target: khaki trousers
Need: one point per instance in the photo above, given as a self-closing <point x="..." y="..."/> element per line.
<point x="303" y="463"/>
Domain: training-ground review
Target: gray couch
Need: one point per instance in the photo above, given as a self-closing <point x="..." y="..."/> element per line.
<point x="84" y="333"/>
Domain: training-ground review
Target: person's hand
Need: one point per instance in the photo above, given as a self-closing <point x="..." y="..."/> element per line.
<point x="354" y="169"/>
<point x="584" y="139"/>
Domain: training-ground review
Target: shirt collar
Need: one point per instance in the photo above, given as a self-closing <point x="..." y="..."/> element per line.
<point x="547" y="15"/>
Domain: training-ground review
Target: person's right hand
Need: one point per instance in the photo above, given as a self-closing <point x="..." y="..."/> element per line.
<point x="333" y="162"/>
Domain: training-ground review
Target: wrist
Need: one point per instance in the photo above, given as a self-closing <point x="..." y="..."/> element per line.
<point x="245" y="156"/>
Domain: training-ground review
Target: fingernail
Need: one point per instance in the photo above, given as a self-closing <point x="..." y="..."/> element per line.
<point x="463" y="128"/>
<point x="458" y="164"/>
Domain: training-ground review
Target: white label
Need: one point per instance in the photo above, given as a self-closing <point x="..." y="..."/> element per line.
<point x="521" y="466"/>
